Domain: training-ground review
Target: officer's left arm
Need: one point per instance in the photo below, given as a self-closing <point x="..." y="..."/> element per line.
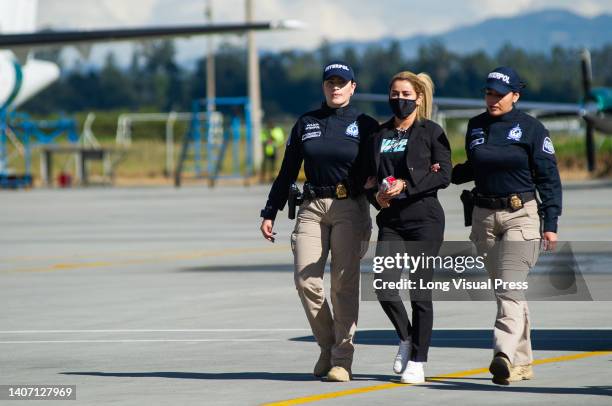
<point x="292" y="162"/>
<point x="546" y="177"/>
<point x="441" y="154"/>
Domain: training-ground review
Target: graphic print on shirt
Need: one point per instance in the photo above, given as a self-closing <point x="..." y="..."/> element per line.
<point x="352" y="130"/>
<point x="393" y="145"/>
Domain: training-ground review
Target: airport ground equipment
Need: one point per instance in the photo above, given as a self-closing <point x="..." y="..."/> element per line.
<point x="82" y="155"/>
<point x="19" y="133"/>
<point x="208" y="139"/>
<point x="127" y="121"/>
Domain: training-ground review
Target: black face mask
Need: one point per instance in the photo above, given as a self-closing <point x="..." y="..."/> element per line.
<point x="402" y="108"/>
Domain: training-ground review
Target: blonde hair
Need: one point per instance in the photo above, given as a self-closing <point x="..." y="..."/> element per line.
<point x="423" y="86"/>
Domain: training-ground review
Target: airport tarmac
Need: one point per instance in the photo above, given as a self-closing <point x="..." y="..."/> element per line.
<point x="171" y="297"/>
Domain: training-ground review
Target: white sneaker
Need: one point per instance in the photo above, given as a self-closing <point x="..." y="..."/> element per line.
<point x="402" y="357"/>
<point x="413" y="373"/>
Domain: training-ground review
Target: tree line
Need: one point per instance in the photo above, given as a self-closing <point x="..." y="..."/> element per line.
<point x="290" y="80"/>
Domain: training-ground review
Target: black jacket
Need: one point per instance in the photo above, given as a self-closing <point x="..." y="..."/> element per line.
<point x="509" y="154"/>
<point x="332" y="144"/>
<point x="426" y="146"/>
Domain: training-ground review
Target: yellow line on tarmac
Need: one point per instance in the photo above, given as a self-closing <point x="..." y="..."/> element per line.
<point x="459" y="374"/>
<point x="152" y="259"/>
<point x="332" y="395"/>
<point x="77" y="265"/>
<point x="571" y="357"/>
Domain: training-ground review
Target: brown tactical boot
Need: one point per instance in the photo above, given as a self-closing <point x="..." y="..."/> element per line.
<point x="501" y="369"/>
<point x="323" y="365"/>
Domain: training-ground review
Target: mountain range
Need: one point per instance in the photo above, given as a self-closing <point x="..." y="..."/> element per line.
<point x="538" y="31"/>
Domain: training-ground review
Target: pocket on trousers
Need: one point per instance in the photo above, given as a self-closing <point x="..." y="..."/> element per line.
<point x="475" y="235"/>
<point x="367" y="230"/>
<point x="477" y="231"/>
<point x="530" y="234"/>
<point x="533" y="249"/>
<point x="365" y="239"/>
<point x="293" y="239"/>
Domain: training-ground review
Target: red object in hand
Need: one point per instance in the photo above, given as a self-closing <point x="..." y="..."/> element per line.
<point x="387" y="183"/>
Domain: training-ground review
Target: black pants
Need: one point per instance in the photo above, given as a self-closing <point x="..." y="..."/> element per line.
<point x="416" y="233"/>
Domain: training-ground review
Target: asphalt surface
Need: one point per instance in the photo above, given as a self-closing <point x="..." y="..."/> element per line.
<point x="165" y="297"/>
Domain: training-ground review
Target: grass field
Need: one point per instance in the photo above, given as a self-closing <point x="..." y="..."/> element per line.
<point x="145" y="160"/>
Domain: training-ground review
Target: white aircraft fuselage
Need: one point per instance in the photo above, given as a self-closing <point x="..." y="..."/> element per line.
<point x="19" y="83"/>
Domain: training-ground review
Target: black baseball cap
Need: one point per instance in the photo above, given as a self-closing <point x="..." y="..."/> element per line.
<point x="504" y="80"/>
<point x="338" y="68"/>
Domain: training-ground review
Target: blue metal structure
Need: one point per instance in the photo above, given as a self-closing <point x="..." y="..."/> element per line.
<point x="29" y="133"/>
<point x="207" y="132"/>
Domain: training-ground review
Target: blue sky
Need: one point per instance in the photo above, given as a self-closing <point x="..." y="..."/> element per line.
<point x="333" y="20"/>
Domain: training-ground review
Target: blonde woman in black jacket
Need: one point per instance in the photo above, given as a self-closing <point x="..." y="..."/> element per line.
<point x="402" y="154"/>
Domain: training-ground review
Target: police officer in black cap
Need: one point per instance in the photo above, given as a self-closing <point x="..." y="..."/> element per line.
<point x="331" y="141"/>
<point x="510" y="156"/>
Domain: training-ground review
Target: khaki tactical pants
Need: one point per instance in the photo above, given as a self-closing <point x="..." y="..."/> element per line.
<point x="511" y="242"/>
<point x="344" y="227"/>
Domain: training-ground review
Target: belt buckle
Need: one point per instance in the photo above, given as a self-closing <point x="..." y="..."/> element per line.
<point x="341" y="192"/>
<point x="516" y="202"/>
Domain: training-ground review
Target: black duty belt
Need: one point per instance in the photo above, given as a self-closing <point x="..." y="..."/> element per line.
<point x="339" y="191"/>
<point x="514" y="201"/>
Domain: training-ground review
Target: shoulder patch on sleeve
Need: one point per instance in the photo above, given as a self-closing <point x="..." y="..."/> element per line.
<point x="547" y="146"/>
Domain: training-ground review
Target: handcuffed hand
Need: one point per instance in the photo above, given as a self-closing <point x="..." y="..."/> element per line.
<point x="396" y="188"/>
<point x="382" y="201"/>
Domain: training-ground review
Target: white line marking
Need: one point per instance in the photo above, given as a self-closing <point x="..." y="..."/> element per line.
<point x="140" y="341"/>
<point x="264" y="330"/>
<point x="205" y="330"/>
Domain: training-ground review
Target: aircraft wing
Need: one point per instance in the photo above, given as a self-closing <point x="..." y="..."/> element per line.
<point x="66" y="37"/>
